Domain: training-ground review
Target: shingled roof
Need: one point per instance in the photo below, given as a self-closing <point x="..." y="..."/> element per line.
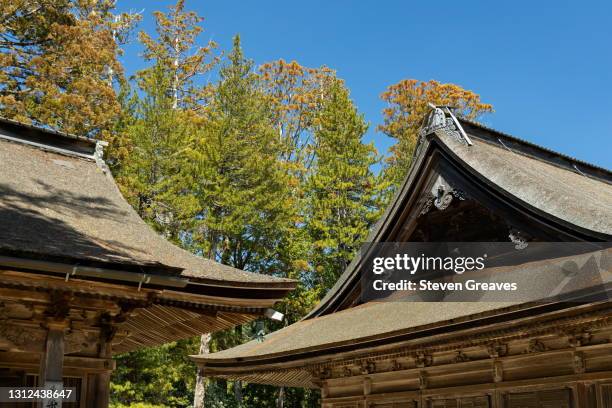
<point x="572" y="193"/>
<point x="59" y="202"/>
<point x="569" y="194"/>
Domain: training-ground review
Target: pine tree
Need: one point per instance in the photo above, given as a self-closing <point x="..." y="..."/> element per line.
<point x="243" y="190"/>
<point x="174" y="51"/>
<point x="343" y="192"/>
<point x="158" y="122"/>
<point x="158" y="136"/>
<point x="244" y="206"/>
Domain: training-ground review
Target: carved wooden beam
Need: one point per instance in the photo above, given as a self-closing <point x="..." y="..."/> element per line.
<point x="22" y="337"/>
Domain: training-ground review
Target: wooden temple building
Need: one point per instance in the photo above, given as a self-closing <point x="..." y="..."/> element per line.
<point x="83" y="278"/>
<point x="467" y="183"/>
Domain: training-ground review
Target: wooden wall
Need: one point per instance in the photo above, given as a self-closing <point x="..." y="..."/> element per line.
<point x="569" y="367"/>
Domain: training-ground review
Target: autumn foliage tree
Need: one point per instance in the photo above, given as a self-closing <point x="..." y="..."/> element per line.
<point x="57" y="62"/>
<point x="407" y="106"/>
<point x="296" y="94"/>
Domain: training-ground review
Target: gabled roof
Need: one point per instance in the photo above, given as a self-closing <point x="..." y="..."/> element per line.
<point x="569" y="193"/>
<point x="571" y="196"/>
<point x="59" y="202"/>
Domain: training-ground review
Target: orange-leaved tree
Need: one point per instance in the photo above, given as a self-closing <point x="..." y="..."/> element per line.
<point x="296" y="94"/>
<point x="57" y="63"/>
<point x="407" y="106"/>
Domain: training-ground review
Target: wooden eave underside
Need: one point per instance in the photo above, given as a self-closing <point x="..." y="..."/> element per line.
<point x="155" y="325"/>
<point x="149" y="317"/>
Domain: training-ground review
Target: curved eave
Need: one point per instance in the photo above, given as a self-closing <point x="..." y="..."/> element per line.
<point x="173" y="289"/>
<point x="60" y="207"/>
<point x="276" y="285"/>
<point x="274" y="368"/>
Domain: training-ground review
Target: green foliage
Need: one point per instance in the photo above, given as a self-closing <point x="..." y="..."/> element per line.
<point x="157" y="137"/>
<point x="174" y="52"/>
<point x="264" y="170"/>
<point x="343" y="194"/>
<point x="219" y="395"/>
<point x="161" y="376"/>
<point x="244" y="205"/>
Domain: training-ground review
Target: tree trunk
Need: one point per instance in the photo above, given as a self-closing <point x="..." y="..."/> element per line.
<point x="200" y="385"/>
<point x="280" y="400"/>
<point x="238" y="391"/>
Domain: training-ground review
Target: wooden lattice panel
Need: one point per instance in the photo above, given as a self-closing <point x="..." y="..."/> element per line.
<point x="540" y="399"/>
<point x="465" y="402"/>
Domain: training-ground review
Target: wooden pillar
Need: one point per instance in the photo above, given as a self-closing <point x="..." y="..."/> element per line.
<point x="367" y="386"/>
<point x="52" y="361"/>
<point x="98" y="390"/>
<point x="102" y="390"/>
<point x="497" y="399"/>
<point x="98" y="385"/>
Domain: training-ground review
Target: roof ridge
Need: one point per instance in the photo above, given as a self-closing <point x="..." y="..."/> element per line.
<point x="50" y="140"/>
<point x="48" y="130"/>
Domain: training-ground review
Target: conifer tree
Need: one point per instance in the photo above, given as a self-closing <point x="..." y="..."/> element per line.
<point x="242" y="186"/>
<point x="158" y="136"/>
<point x="157" y="123"/>
<point x="174" y="51"/>
<point x="243" y="204"/>
<point x="343" y="192"/>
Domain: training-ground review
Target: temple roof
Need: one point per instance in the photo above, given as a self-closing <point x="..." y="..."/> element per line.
<point x="569" y="192"/>
<point x="66" y="229"/>
<point x="58" y="203"/>
<point x="569" y="195"/>
<point x="315" y="340"/>
<point x="355" y="330"/>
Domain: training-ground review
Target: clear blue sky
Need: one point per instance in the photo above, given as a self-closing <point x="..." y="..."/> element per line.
<point x="546" y="66"/>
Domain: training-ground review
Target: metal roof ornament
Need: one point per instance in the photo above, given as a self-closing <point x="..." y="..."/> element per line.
<point x="438" y="120"/>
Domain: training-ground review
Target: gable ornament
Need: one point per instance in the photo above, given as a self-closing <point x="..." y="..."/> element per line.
<point x="442" y="119"/>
